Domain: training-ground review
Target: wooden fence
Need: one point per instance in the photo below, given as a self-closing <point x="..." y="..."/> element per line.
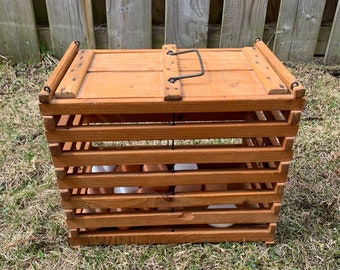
<point x="296" y="30"/>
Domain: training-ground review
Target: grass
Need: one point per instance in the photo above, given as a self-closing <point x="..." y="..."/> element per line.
<point x="32" y="230"/>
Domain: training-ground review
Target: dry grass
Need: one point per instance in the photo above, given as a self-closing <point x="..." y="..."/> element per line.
<point x="32" y="229"/>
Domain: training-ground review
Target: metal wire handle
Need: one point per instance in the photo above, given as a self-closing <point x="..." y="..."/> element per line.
<point x="173" y="79"/>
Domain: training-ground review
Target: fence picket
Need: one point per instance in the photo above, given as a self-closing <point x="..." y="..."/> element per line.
<point x="19" y="38"/>
<point x="129" y="24"/>
<point x="186" y="23"/>
<point x="242" y="22"/>
<point x="298" y="29"/>
<point x="333" y="46"/>
<point x="69" y="20"/>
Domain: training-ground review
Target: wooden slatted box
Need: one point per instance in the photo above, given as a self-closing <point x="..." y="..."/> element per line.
<point x="143" y="159"/>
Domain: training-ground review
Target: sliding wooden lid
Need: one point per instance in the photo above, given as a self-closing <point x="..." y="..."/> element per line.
<point x="146" y="74"/>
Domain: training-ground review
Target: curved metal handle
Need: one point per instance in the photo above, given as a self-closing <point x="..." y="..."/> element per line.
<point x="173" y="79"/>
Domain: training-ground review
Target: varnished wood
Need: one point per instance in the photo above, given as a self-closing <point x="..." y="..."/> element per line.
<point x="70" y="214"/>
<point x="239" y="216"/>
<point x="270" y="80"/>
<point x="165" y="117"/>
<point x="213" y="60"/>
<point x="294" y="117"/>
<point x="69" y="85"/>
<point x="60" y="172"/>
<point x="65" y="194"/>
<point x="73" y="233"/>
<point x="280" y="69"/>
<point x="169" y="178"/>
<point x="50" y="122"/>
<point x="164" y="132"/>
<point x="172" y="90"/>
<point x="58" y="74"/>
<point x="116" y="116"/>
<point x="152" y="105"/>
<point x="184" y="199"/>
<point x="55" y="148"/>
<point x="288" y="143"/>
<point x="152" y="156"/>
<point x="169" y="235"/>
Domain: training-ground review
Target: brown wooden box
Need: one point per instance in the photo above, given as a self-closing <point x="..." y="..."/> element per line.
<point x="113" y="119"/>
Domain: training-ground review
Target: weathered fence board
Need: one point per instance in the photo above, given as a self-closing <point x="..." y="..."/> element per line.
<point x="68" y="21"/>
<point x="129" y="23"/>
<point x="243" y="21"/>
<point x="284" y="29"/>
<point x="18" y="33"/>
<point x="333" y="46"/>
<point x="186" y="23"/>
<point x="295" y="30"/>
<point x="298" y="29"/>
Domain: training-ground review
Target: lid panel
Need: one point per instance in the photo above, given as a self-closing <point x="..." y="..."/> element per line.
<point x="132" y="84"/>
<point x="128" y="61"/>
<point x="152" y="61"/>
<point x="223" y="60"/>
<point x="223" y="84"/>
<point x="121" y="74"/>
<point x="149" y="84"/>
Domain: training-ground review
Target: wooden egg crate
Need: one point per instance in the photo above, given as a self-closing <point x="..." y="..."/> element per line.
<point x="170" y="167"/>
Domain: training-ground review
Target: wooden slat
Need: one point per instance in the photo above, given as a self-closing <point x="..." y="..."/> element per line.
<point x="184" y="199"/>
<point x="129" y="24"/>
<point x="284" y="167"/>
<point x="160" y="117"/>
<point x="298" y="29"/>
<point x="61" y="173"/>
<point x="239" y="216"/>
<point x="172" y="90"/>
<point x="186" y="23"/>
<point x="55" y="148"/>
<point x="294" y="117"/>
<point x="19" y="37"/>
<point x="73" y="233"/>
<point x="146" y="60"/>
<point x="168" y="156"/>
<point x="50" y="122"/>
<point x="69" y="85"/>
<point x="288" y="143"/>
<point x="169" y="178"/>
<point x="242" y="22"/>
<point x="47" y="93"/>
<point x="333" y="45"/>
<point x="268" y="77"/>
<point x="152" y="105"/>
<point x="70" y="214"/>
<point x="164" y="132"/>
<point x="134" y="84"/>
<point x="71" y="25"/>
<point x="288" y="78"/>
<point x="170" y="236"/>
